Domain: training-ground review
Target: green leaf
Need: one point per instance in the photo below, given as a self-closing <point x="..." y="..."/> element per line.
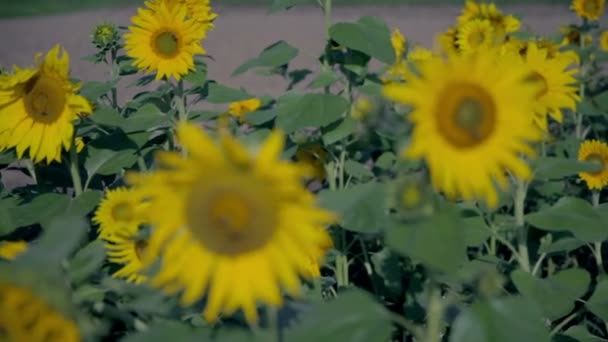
<point x="476" y="230"/>
<point x="386" y="161"/>
<point x="586" y="107"/>
<point x="87" y="261"/>
<point x="571" y="214"/>
<point x="168" y="331"/>
<point x="556" y="167"/>
<point x="62" y="234"/>
<point x="273" y="56"/>
<point x="310" y="110"/>
<point x="126" y="67"/>
<point x="354" y="316"/>
<point x="340" y="130"/>
<point x="437" y="241"/>
<point x="85" y="203"/>
<point x="41" y="209"/>
<point x="324" y="79"/>
<point x="566" y="244"/>
<point x="598" y="303"/>
<point x="369" y="35"/>
<point x="93" y="90"/>
<point x="198" y="76"/>
<point x="500" y="320"/>
<point x="145" y="118"/>
<point x="360" y="206"/>
<point x="602" y="101"/>
<point x="107" y="116"/>
<point x="556" y="294"/>
<point x="357" y="170"/>
<point x="221" y="94"/>
<point x="7" y="207"/>
<point x="581" y="334"/>
<point x="260" y="117"/>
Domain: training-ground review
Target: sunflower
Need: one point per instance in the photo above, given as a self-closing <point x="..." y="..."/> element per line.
<point x="474" y="35"/>
<point x="232" y="224"/>
<point x="164" y="40"/>
<point x="604" y="40"/>
<point x="315" y="156"/>
<point x="126" y="248"/>
<point x="448" y="41"/>
<point x="572" y="36"/>
<point x="198" y="10"/>
<point x="594" y="151"/>
<point x="25" y="316"/>
<point x="556" y="84"/>
<point x="120" y="209"/>
<point x="419" y="55"/>
<point x="470" y="128"/>
<point x="501" y="23"/>
<point x="240" y="108"/>
<point x="38" y="107"/>
<point x="588" y="9"/>
<point x="9" y="250"/>
<point x="398" y="42"/>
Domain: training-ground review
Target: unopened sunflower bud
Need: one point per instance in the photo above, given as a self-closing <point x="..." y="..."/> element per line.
<point x="105" y="36"/>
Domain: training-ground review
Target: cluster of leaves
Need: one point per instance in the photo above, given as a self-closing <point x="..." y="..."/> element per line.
<point x="438" y="270"/>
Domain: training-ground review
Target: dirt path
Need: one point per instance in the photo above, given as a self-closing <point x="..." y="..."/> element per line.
<point x="240" y="34"/>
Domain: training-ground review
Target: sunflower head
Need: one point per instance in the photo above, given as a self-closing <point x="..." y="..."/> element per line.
<point x="240" y="108"/>
<point x="588" y="9"/>
<point x="597" y="152"/>
<point x="233" y="223"/>
<point x="39" y="108"/>
<point x="126" y="247"/>
<point x="604" y="40"/>
<point x="105" y="36"/>
<point x="398" y="42"/>
<point x="572" y="36"/>
<point x="502" y="24"/>
<point x="448" y="41"/>
<point x="9" y="250"/>
<point x="474" y="35"/>
<point x="419" y="55"/>
<point x="121" y="209"/>
<point x="198" y="10"/>
<point x="165" y="40"/>
<point x="476" y="126"/>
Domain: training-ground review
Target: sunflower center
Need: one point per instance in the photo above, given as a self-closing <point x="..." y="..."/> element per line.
<point x="45" y="99"/>
<point x="596" y="158"/>
<point x="167" y="44"/>
<point x="232" y="218"/>
<point x="541" y="81"/>
<point x="591" y="6"/>
<point x="476" y="38"/>
<point x="123" y="212"/>
<point x="465" y="115"/>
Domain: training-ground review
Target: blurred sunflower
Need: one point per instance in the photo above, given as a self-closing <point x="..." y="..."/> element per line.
<point x="468" y="127"/>
<point x="588" y="9"/>
<point x="164" y="41"/>
<point x="25" y="316"/>
<point x="501" y="23"/>
<point x="315" y="156"/>
<point x="228" y="223"/>
<point x="474" y="35"/>
<point x="557" y="87"/>
<point x="594" y="151"/>
<point x="120" y="209"/>
<point x="572" y="36"/>
<point x="126" y="248"/>
<point x="398" y="71"/>
<point x="239" y="108"/>
<point x="398" y="42"/>
<point x="604" y="41"/>
<point x="315" y="259"/>
<point x="198" y="10"/>
<point x="38" y="107"/>
<point x="9" y="250"/>
<point x="419" y="55"/>
<point x="448" y="41"/>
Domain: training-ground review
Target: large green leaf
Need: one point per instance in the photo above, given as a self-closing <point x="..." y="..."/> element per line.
<point x="556" y="167"/>
<point x="107" y="116"/>
<point x="85" y="203"/>
<point x="437" y="241"/>
<point x="169" y="331"/>
<point x="360" y="206"/>
<point x="598" y="303"/>
<point x="500" y="320"/>
<point x="310" y="110"/>
<point x="145" y="118"/>
<point x="354" y="316"/>
<point x="574" y="215"/>
<point x="87" y="261"/>
<point x="222" y="94"/>
<point x="110" y="154"/>
<point x="369" y="35"/>
<point x="476" y="230"/>
<point x="41" y="209"/>
<point x="273" y="56"/>
<point x="93" y="90"/>
<point x="7" y="207"/>
<point x="339" y="130"/>
<point x="556" y="294"/>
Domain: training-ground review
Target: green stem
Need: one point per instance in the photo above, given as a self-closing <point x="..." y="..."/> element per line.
<point x="369" y="264"/>
<point x="273" y="323"/>
<point x="563" y="323"/>
<point x="114" y="76"/>
<point x="327" y="10"/>
<point x="341" y="168"/>
<point x="435" y="313"/>
<point x="29" y="165"/>
<point x="597" y="246"/>
<point x="141" y="163"/>
<point x="522" y="242"/>
<point x="180" y="102"/>
<point x="74" y="171"/>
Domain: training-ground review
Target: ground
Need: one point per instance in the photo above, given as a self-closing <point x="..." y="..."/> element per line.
<point x="241" y="33"/>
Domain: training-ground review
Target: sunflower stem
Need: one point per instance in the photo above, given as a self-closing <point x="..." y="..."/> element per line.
<point x="114" y="76"/>
<point x="74" y="172"/>
<point x="434" y="315"/>
<point x="522" y="241"/>
<point x="597" y="246"/>
<point x="180" y="102"/>
<point x="327" y="10"/>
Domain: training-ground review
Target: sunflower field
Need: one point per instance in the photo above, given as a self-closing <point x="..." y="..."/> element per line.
<point x="400" y="193"/>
